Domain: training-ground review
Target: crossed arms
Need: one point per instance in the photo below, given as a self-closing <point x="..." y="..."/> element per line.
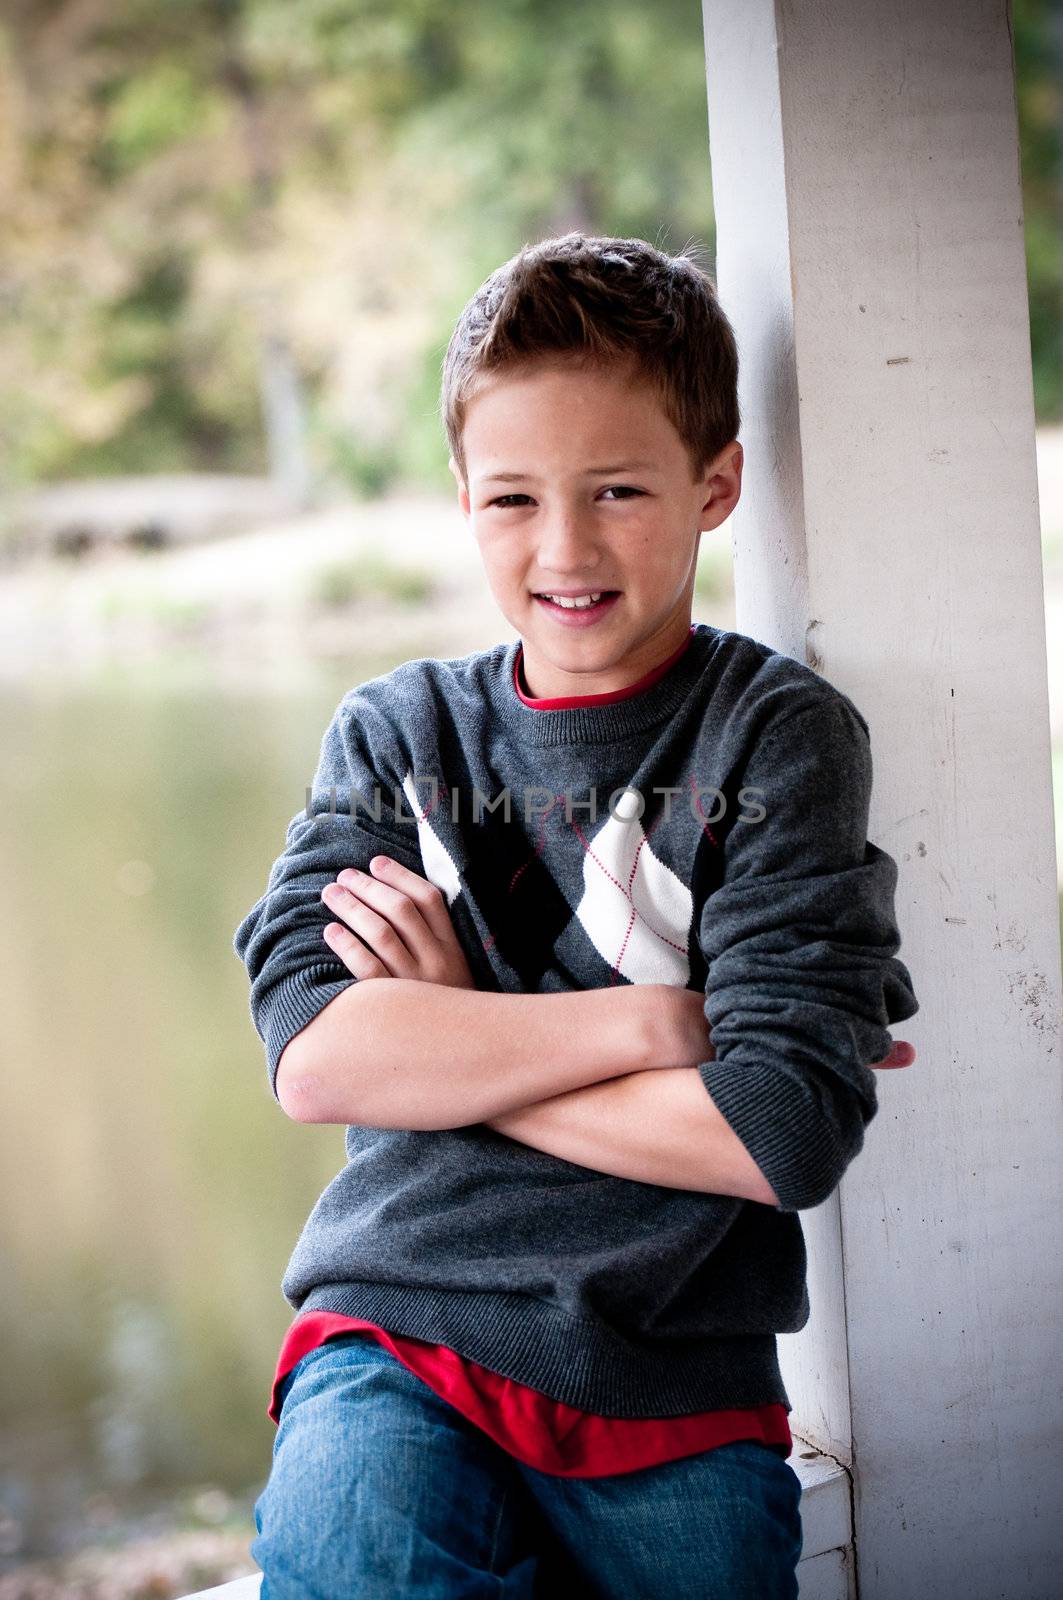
<point x="604" y="1077"/>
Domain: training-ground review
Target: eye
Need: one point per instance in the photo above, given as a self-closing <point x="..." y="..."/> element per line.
<point x="623" y="489"/>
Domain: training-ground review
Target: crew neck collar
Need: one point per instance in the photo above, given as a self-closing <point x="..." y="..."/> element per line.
<point x="599" y="718"/>
<point x="608" y="696"/>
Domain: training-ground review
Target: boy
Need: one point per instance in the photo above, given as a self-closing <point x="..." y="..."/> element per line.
<point x="640" y="960"/>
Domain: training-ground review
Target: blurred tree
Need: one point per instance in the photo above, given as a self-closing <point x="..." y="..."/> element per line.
<point x="211" y="200"/>
<point x="237" y="232"/>
<point x="283" y="406"/>
<point x="1038" y="38"/>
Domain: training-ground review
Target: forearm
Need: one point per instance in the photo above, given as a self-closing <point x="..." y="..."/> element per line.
<point x="657" y="1127"/>
<point x="401" y="1053"/>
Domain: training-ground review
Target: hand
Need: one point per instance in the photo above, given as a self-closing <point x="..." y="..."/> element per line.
<point x="402" y="924"/>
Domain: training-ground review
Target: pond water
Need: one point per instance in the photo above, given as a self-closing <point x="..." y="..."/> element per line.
<point x="152" y="1188"/>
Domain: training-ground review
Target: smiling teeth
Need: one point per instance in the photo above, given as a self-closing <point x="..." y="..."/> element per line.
<point x="584" y="600"/>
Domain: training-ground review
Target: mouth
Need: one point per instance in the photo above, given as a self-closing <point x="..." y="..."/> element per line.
<point x="578" y="607"/>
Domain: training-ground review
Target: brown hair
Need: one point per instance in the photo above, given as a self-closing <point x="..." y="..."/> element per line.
<point x="611" y="302"/>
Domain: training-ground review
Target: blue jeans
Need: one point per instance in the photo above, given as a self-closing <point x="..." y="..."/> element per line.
<point x="381" y="1490"/>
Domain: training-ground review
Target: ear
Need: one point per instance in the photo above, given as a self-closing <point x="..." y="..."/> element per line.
<point x="463" y="493"/>
<point x="722" y="485"/>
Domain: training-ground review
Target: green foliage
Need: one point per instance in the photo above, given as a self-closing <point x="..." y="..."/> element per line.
<point x="421" y="453"/>
<point x="714" y="579"/>
<point x="199" y="177"/>
<point x="371" y="577"/>
<point x="159" y="107"/>
<point x="177" y="612"/>
<point x="365" y="469"/>
<point x="1037" y="28"/>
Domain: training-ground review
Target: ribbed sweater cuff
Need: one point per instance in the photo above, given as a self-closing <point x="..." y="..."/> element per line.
<point x="292" y="1004"/>
<point x="785" y="1128"/>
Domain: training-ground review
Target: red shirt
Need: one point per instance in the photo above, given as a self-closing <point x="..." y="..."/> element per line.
<point x="546" y="1433"/>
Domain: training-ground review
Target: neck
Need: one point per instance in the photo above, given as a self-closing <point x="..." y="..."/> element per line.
<point x="538" y="680"/>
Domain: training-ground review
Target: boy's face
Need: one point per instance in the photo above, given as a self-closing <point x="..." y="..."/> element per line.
<point x="598" y="497"/>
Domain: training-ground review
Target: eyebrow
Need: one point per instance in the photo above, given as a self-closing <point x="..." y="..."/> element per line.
<point x="589" y="472"/>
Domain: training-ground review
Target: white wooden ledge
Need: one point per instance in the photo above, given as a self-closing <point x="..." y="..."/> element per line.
<point x="824" y="1571"/>
<point x="239" y="1589"/>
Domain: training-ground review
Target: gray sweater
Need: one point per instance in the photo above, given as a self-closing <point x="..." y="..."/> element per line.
<point x="727" y="852"/>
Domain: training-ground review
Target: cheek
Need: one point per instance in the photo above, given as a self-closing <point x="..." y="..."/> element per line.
<point x="647" y="550"/>
<point x="502" y="566"/>
<point x="656" y="563"/>
<point x="502" y="557"/>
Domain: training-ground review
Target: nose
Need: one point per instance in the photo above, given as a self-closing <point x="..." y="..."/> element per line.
<point x="568" y="547"/>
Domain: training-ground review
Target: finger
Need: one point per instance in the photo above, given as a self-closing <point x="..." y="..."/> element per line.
<point x="359" y="961"/>
<point x="901" y="1055"/>
<point x="408" y="906"/>
<point x="382" y="937"/>
<point x="427" y="897"/>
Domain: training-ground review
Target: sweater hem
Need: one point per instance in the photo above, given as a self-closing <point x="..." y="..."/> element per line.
<point x="572" y="1360"/>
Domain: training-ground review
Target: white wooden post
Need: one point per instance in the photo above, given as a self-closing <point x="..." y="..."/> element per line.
<point x="870" y="253"/>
